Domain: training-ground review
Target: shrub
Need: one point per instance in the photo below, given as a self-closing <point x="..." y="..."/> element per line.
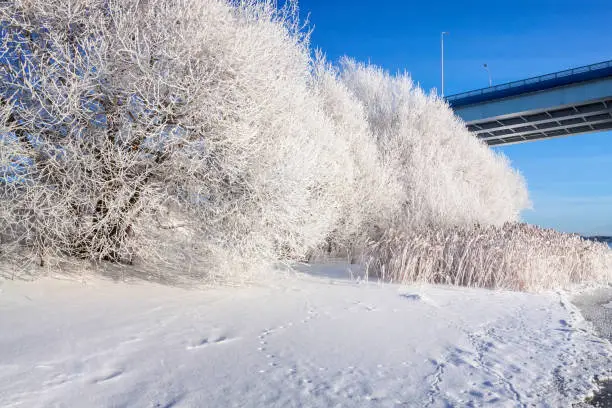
<point x="372" y="201"/>
<point x="414" y="162"/>
<point x="131" y="126"/>
<point x="449" y="177"/>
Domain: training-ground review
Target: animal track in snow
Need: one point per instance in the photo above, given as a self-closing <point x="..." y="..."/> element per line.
<point x="61" y="379"/>
<point x="110" y="375"/>
<point x="411" y="296"/>
<point x="417" y="298"/>
<point x="364" y="306"/>
<point x="210" y="341"/>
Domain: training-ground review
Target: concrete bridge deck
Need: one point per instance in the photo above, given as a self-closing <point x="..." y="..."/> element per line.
<point x="564" y="103"/>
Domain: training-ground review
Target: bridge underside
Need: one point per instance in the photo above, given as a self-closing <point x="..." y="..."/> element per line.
<point x="565" y="103"/>
<point x="574" y="119"/>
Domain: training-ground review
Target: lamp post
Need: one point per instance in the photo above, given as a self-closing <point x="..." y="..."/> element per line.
<point x="488" y="72"/>
<point x="442" y="59"/>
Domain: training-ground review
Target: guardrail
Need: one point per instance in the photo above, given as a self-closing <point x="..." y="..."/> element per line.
<point x="585" y="73"/>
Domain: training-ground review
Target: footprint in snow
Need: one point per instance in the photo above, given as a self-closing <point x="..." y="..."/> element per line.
<point x="209" y="341"/>
<point x="110" y="375"/>
<point x="411" y="296"/>
<point x="366" y="307"/>
<point x="131" y="340"/>
<point x="415" y="297"/>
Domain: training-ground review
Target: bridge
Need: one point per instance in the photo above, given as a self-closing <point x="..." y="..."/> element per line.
<point x="564" y="103"/>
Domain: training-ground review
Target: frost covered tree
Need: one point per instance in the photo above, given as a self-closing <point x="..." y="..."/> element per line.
<point x="449" y="176"/>
<point x="130" y="124"/>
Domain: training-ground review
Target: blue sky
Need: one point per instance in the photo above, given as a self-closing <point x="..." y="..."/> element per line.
<point x="570" y="179"/>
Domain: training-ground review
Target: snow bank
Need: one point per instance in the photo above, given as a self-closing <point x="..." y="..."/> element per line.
<point x="299" y="341"/>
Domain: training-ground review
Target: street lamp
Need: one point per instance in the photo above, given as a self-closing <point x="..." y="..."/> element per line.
<point x="442" y="59"/>
<point x="489" y="72"/>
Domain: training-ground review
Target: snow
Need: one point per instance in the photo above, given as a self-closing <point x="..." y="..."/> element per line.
<point x="316" y="340"/>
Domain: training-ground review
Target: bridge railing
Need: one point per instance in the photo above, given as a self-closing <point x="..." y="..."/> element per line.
<point x="568" y="76"/>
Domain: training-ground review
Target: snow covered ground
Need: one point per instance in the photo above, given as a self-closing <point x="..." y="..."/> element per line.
<point x="312" y="340"/>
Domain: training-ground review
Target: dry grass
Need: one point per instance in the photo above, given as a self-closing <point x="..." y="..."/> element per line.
<point x="513" y="256"/>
